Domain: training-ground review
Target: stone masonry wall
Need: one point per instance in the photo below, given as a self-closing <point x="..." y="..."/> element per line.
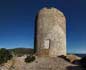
<point x="51" y="26"/>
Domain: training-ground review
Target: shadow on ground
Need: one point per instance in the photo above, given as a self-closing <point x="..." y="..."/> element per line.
<point x="75" y="68"/>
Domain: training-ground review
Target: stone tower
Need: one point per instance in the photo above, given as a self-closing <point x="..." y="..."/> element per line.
<point x="50" y="34"/>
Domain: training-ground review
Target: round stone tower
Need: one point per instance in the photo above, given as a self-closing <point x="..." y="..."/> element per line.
<point x="50" y="34"/>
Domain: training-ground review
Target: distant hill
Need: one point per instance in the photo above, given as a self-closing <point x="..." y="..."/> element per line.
<point x="81" y="55"/>
<point x="21" y="51"/>
<point x="78" y="54"/>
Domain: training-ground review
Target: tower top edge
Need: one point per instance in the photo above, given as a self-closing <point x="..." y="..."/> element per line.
<point x="48" y="9"/>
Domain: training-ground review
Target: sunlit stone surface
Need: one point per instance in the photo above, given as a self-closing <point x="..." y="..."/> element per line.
<point x="50" y="37"/>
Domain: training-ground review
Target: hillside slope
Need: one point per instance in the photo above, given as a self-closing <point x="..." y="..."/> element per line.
<point x="41" y="63"/>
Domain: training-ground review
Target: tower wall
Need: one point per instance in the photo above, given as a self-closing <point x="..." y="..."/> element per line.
<point x="50" y="33"/>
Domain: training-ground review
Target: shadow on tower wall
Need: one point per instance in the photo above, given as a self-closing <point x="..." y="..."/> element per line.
<point x="35" y="34"/>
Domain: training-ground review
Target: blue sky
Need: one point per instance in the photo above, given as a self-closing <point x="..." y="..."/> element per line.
<point x="17" y="22"/>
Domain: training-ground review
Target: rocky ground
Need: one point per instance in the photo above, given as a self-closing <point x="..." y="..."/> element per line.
<point x="42" y="63"/>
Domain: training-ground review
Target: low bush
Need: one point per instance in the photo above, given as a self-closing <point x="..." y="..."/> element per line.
<point x="29" y="58"/>
<point x="5" y="55"/>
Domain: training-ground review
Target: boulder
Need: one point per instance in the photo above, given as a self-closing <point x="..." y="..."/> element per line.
<point x="72" y="58"/>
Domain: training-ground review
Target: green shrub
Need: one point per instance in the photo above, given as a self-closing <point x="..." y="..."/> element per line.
<point x="29" y="58"/>
<point x="5" y="55"/>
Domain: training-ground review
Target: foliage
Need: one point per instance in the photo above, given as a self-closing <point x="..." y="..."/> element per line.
<point x="5" y="55"/>
<point x="30" y="58"/>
